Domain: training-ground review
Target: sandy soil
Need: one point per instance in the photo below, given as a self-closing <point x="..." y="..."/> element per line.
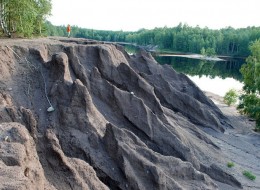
<point x="195" y="56"/>
<point x="240" y="144"/>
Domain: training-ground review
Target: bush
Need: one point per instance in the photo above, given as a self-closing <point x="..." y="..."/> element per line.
<point x="230" y="97"/>
<point x="250" y="100"/>
<point x="249" y="175"/>
<point x="250" y="105"/>
<point x="230" y="164"/>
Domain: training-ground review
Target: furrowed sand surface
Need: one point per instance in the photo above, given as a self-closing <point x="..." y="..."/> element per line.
<point x="240" y="144"/>
<point x="119" y="122"/>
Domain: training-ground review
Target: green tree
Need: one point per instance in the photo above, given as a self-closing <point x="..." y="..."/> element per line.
<point x="23" y="17"/>
<point x="203" y="51"/>
<point x="250" y="100"/>
<point x="43" y="8"/>
<point x="210" y="52"/>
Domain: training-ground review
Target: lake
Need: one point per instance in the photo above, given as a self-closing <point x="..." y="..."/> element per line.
<point x="217" y="77"/>
<point x="213" y="76"/>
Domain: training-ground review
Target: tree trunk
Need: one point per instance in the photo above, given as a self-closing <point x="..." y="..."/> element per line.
<point x="3" y="19"/>
<point x="1" y="14"/>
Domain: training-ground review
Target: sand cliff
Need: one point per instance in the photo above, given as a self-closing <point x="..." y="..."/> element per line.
<point x="119" y="121"/>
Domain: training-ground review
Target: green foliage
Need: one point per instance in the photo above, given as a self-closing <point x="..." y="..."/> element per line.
<point x="182" y="38"/>
<point x="210" y="52"/>
<point x="230" y="164"/>
<point x="250" y="100"/>
<point x="203" y="51"/>
<point x="249" y="175"/>
<point x="24" y="17"/>
<point x="230" y="97"/>
<point x="200" y="68"/>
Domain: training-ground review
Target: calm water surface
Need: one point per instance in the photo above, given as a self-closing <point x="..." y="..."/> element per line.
<point x="216" y="85"/>
<point x="213" y="76"/>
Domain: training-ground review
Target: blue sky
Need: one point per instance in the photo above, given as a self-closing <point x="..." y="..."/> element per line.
<point x="131" y="15"/>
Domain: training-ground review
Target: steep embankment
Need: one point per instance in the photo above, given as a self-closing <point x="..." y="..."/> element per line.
<point x="120" y="121"/>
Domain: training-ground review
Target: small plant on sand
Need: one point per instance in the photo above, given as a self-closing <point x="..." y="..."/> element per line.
<point x="249" y="175"/>
<point x="230" y="164"/>
<point x="230" y="97"/>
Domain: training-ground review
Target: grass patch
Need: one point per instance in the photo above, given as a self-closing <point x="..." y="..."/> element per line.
<point x="249" y="175"/>
<point x="230" y="164"/>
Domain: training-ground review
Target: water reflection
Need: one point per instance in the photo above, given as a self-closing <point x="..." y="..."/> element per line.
<point x="211" y="69"/>
<point x="214" y="76"/>
<point x="217" y="85"/>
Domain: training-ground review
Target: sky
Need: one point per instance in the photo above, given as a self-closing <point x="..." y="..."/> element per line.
<point x="132" y="15"/>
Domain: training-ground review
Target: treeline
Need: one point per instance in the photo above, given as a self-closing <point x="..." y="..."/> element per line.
<point x="78" y="32"/>
<point x="182" y="38"/>
<point x="23" y="18"/>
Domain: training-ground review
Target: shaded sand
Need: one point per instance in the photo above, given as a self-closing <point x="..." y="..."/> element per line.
<point x="120" y="122"/>
<point x="240" y="144"/>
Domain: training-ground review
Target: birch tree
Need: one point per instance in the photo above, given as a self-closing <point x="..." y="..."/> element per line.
<point x="23" y="17"/>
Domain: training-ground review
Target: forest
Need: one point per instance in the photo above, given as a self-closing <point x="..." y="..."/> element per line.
<point x="182" y="38"/>
<point x="23" y="18"/>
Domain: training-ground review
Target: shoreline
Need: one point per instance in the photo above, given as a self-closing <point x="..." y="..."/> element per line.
<point x="193" y="56"/>
<point x="239" y="144"/>
<point x="241" y="123"/>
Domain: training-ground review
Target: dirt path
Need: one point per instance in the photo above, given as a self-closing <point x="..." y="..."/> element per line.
<point x="240" y="145"/>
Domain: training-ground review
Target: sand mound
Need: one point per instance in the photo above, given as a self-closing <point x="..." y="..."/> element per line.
<point x="119" y="121"/>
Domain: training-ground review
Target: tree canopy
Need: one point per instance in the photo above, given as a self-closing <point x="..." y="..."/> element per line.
<point x="23" y="17"/>
<point x="250" y="100"/>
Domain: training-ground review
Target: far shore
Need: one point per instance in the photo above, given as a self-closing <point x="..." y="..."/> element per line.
<point x="192" y="56"/>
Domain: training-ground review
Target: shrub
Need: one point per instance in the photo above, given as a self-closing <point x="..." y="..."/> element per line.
<point x="249" y="175"/>
<point x="230" y="97"/>
<point x="250" y="105"/>
<point x="230" y="164"/>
